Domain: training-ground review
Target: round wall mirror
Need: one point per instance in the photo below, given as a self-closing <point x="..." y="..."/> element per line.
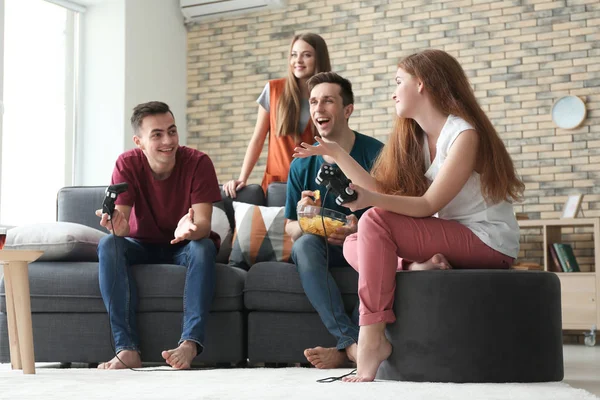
<point x="568" y="112"/>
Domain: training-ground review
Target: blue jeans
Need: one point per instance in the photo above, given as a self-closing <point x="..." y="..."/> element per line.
<point x="116" y="257"/>
<point x="309" y="255"/>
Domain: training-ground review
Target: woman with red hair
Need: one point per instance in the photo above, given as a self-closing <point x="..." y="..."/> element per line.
<point x="441" y="194"/>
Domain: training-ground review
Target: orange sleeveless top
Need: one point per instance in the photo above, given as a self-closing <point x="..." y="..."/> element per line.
<point x="281" y="148"/>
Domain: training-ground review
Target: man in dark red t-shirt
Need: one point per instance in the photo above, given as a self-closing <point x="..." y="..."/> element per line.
<point x="163" y="217"/>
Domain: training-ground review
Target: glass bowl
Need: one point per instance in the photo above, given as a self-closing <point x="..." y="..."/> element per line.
<point x="309" y="218"/>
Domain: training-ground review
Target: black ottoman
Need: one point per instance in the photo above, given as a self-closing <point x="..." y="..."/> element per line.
<point x="475" y="326"/>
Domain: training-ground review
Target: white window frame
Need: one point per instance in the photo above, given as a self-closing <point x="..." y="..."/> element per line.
<point x="72" y="84"/>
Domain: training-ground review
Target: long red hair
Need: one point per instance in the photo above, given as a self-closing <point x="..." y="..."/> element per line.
<point x="400" y="168"/>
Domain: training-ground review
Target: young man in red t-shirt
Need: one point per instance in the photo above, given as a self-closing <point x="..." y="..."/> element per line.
<point x="163" y="217"/>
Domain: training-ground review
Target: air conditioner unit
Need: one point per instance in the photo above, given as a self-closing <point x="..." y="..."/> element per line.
<point x="196" y="10"/>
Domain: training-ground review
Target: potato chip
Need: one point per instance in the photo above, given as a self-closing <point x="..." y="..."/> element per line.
<point x="317" y="197"/>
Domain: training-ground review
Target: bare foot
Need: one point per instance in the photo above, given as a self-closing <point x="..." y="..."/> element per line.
<point x="129" y="358"/>
<point x="182" y="356"/>
<point x="351" y="352"/>
<point x="438" y="261"/>
<point x="373" y="349"/>
<point x="326" y="358"/>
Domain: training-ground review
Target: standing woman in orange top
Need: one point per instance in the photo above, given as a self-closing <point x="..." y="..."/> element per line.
<point x="284" y="113"/>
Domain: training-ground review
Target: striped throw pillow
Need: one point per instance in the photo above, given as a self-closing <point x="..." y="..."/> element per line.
<point x="259" y="235"/>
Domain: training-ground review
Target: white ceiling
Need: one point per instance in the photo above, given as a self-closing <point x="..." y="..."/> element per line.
<point x="90" y="2"/>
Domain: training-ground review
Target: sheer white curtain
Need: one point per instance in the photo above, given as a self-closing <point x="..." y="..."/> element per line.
<point x="38" y="95"/>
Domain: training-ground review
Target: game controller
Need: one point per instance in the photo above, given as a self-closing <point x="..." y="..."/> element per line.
<point x="334" y="180"/>
<point x="108" y="205"/>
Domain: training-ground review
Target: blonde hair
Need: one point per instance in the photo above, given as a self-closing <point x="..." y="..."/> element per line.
<point x="288" y="109"/>
<point x="400" y="168"/>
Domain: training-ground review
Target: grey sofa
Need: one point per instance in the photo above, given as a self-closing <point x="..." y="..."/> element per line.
<point x="281" y="320"/>
<point x="258" y="316"/>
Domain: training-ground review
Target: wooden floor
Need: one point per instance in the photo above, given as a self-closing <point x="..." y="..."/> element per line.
<point x="582" y="367"/>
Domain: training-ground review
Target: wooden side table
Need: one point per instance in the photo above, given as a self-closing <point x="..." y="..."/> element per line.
<point x="18" y="307"/>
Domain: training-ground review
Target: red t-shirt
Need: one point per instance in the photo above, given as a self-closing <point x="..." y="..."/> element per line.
<point x="158" y="205"/>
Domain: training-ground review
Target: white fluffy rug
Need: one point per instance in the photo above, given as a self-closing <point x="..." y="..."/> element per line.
<point x="253" y="383"/>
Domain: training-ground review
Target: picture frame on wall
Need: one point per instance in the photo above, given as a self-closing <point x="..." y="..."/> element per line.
<point x="572" y="206"/>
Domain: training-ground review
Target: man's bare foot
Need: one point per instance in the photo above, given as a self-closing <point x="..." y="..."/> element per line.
<point x="182" y="356"/>
<point x="373" y="348"/>
<point x="129" y="358"/>
<point x="326" y="358"/>
<point x="351" y="352"/>
<point x="438" y="261"/>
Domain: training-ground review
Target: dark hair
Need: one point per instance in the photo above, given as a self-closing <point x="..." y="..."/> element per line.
<point x="141" y="111"/>
<point x="332" y="77"/>
<point x="288" y="109"/>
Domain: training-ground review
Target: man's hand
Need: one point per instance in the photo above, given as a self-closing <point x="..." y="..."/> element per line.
<point x="337" y="238"/>
<point x="117" y="225"/>
<point x="185" y="227"/>
<point x="292" y="228"/>
<point x="307" y="196"/>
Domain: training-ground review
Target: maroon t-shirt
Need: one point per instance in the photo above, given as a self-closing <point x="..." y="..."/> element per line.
<point x="158" y="205"/>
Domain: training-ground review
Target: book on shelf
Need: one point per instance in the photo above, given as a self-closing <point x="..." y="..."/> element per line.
<point x="553" y="262"/>
<point x="566" y="257"/>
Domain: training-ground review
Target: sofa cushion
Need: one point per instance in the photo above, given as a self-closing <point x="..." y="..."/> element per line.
<point x="64" y="241"/>
<point x="78" y="203"/>
<point x="73" y="287"/>
<point x="259" y="235"/>
<point x="276" y="286"/>
<point x="276" y="194"/>
<point x="251" y="194"/>
<point x="221" y="224"/>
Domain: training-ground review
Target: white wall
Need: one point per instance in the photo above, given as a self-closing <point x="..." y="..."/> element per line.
<point x="100" y="135"/>
<point x="155" y="59"/>
<point x="133" y="51"/>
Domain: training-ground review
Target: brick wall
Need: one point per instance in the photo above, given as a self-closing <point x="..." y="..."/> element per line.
<point x="520" y="55"/>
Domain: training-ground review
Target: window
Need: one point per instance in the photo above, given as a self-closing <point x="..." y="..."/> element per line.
<point x="37" y="130"/>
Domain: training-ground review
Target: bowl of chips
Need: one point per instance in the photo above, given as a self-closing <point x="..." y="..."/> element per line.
<point x="311" y="220"/>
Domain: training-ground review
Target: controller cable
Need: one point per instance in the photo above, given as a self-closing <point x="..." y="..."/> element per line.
<point x="112" y="342"/>
<point x="331" y="378"/>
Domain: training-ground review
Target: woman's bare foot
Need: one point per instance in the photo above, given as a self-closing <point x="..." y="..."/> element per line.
<point x="438" y="261"/>
<point x="326" y="357"/>
<point x="182" y="356"/>
<point x="373" y="349"/>
<point x="129" y="359"/>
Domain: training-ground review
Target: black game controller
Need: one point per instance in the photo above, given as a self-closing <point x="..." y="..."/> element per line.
<point x="334" y="180"/>
<point x="108" y="205"/>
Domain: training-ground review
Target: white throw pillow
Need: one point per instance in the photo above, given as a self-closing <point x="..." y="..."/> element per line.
<point x="60" y="241"/>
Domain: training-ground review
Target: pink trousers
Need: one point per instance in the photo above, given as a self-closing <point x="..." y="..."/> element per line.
<point x="386" y="242"/>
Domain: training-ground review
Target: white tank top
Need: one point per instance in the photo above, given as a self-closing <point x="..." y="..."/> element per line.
<point x="494" y="224"/>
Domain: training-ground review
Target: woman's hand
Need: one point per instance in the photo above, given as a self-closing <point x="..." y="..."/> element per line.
<point x="233" y="186"/>
<point x="364" y="198"/>
<point x="330" y="149"/>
